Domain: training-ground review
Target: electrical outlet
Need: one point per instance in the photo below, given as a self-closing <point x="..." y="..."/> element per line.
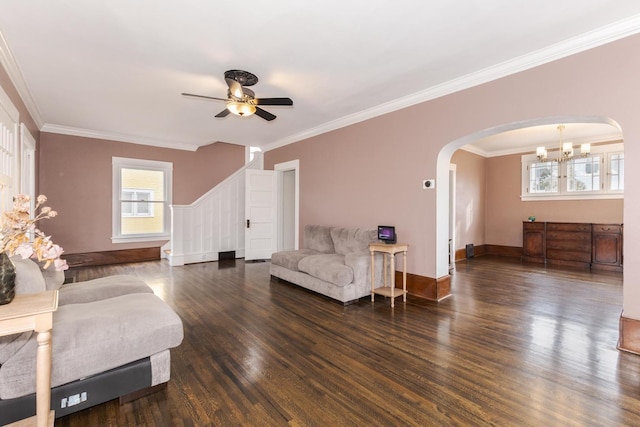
<point x="429" y="184"/>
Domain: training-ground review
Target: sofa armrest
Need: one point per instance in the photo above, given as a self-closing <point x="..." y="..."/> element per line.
<point x="360" y="263"/>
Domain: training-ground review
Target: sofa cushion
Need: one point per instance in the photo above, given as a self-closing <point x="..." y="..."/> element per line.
<point x="347" y="240"/>
<point x="29" y="278"/>
<point x="10" y="344"/>
<point x="290" y="259"/>
<point x="327" y="267"/>
<point x="102" y="288"/>
<point x="318" y="238"/>
<point x="53" y="278"/>
<point x="95" y="337"/>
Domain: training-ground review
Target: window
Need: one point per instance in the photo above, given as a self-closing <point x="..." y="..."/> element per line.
<point x="599" y="175"/>
<point x="616" y="171"/>
<point x="543" y="177"/>
<point x="583" y="174"/>
<point x="141" y="200"/>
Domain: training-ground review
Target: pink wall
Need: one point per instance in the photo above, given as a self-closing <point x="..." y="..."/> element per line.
<point x="505" y="210"/>
<point x="344" y="172"/>
<point x="471" y="194"/>
<point x="75" y="174"/>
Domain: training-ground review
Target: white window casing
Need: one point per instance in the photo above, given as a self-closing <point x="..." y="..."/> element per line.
<point x="597" y="176"/>
<point x="139" y="202"/>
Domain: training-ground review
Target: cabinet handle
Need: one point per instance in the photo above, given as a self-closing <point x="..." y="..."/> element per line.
<point x="248" y="223"/>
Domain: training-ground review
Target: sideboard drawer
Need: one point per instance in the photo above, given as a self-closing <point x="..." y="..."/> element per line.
<point x="564" y="255"/>
<point x="569" y="235"/>
<point x="578" y="245"/>
<point x="607" y="228"/>
<point x="568" y="226"/>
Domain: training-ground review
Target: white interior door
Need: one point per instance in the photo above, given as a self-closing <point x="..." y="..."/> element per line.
<point x="261" y="197"/>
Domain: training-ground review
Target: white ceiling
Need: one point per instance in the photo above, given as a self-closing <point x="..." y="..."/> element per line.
<point x="115" y="69"/>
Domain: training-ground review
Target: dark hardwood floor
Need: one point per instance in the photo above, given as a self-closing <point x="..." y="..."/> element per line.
<point x="516" y="345"/>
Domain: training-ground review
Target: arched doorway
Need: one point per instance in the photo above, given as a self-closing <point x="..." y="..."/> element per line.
<point x="443" y="175"/>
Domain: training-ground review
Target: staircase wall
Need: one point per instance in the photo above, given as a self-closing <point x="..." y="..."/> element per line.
<point x="212" y="224"/>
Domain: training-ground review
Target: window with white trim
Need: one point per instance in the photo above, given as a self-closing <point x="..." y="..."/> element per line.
<point x="598" y="175"/>
<point x="141" y="200"/>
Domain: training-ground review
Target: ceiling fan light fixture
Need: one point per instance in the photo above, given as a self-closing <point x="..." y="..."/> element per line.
<point x="241" y="109"/>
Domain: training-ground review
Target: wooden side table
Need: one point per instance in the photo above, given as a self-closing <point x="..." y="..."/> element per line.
<point x="34" y="312"/>
<point x="389" y="251"/>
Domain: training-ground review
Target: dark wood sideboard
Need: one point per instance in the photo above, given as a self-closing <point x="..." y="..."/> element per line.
<point x="595" y="246"/>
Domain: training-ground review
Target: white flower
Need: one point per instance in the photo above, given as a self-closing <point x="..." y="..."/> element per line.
<point x="25" y="250"/>
<point x="18" y="229"/>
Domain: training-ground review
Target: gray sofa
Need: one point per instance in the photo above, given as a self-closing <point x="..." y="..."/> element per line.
<point x="334" y="262"/>
<point x="111" y="338"/>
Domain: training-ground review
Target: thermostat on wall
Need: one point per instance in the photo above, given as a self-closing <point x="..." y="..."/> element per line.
<point x="428" y="184"/>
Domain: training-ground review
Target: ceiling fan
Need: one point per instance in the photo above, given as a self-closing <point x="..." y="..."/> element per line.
<point x="242" y="101"/>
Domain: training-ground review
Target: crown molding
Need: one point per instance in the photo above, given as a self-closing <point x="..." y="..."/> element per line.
<point x="586" y="41"/>
<point x="10" y="65"/>
<point x="87" y="133"/>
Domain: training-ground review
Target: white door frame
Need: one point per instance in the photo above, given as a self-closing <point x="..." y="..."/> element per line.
<point x="293" y="165"/>
<point x="452" y="215"/>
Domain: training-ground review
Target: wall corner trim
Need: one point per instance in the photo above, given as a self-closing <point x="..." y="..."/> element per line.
<point x="629" y="339"/>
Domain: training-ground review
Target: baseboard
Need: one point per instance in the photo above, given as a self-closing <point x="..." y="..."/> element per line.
<point x="506" y="251"/>
<point x="88" y="259"/>
<point x="629" y="339"/>
<point x="426" y="287"/>
<point x="497" y="250"/>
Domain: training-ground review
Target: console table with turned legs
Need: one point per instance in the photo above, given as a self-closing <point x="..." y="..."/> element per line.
<point x="389" y="250"/>
<point x="34" y="312"/>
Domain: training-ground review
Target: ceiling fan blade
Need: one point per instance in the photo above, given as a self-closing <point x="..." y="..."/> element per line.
<point x="223" y="113"/>
<point x="273" y="101"/>
<point x="264" y="114"/>
<point x="234" y="87"/>
<point x="205" y="97"/>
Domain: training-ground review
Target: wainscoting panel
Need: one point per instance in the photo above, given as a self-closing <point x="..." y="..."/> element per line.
<point x="212" y="224"/>
<point x="480" y="250"/>
<point x="112" y="257"/>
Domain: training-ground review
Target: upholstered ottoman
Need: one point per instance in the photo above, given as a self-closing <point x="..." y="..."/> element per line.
<point x="111" y="337"/>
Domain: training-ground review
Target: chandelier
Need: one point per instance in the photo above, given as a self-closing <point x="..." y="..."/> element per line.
<point x="565" y="150"/>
